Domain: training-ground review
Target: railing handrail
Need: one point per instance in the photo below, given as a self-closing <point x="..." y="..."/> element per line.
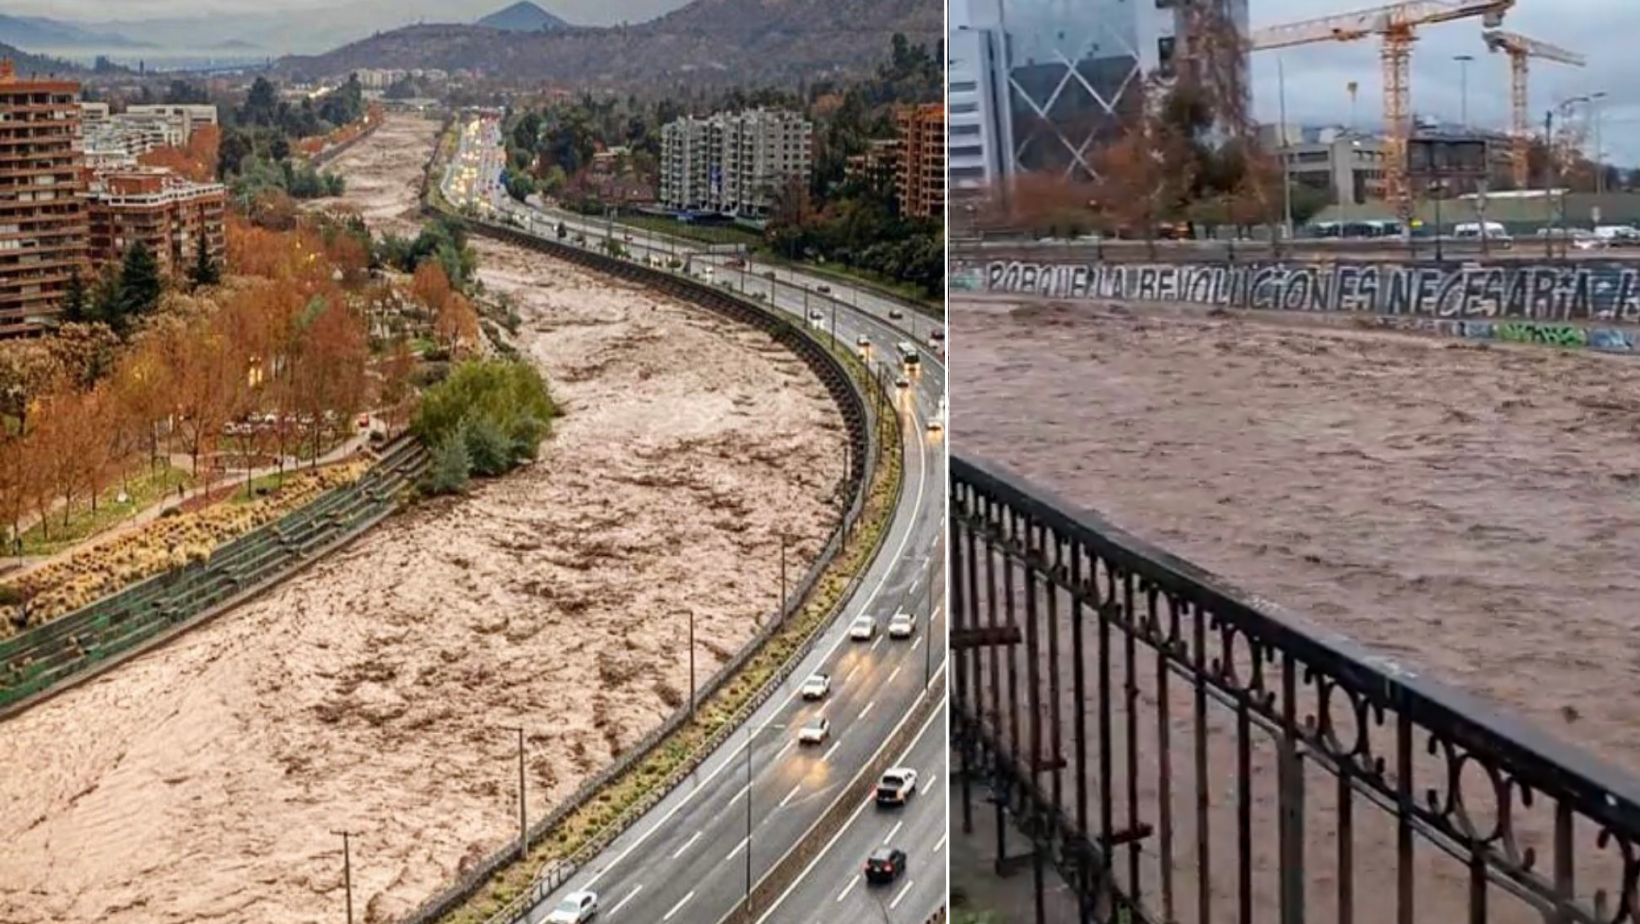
<point x="1598" y="789"/>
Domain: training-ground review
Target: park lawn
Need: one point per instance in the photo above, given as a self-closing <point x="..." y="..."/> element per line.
<point x="147" y="486"/>
<point x="269" y="482"/>
<point x="709" y="234"/>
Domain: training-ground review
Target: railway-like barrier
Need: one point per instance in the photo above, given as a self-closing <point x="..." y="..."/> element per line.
<point x="1180" y="751"/>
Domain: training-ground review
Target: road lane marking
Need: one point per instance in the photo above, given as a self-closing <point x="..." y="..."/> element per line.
<point x="879" y="641"/>
<point x="688" y="844"/>
<point x="891" y="675"/>
<point x="934" y="615"/>
<point x="681" y="902"/>
<point x="894" y="830"/>
<point x="737" y="849"/>
<point x="736" y="797"/>
<point x="782" y="752"/>
<point x="830" y="751"/>
<point x="937" y="712"/>
<point x="866" y="710"/>
<point x="914" y="584"/>
<point x="915" y="642"/>
<point x="629" y="896"/>
<point x="940" y="843"/>
<point x="896" y="902"/>
<point x="851" y="674"/>
<point x="847" y="888"/>
<point x="791" y="795"/>
<point x="926" y="786"/>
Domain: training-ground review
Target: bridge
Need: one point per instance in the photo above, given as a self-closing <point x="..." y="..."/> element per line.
<point x="1174" y="749"/>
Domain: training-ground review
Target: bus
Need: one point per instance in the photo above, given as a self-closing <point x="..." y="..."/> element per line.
<point x="908" y="354"/>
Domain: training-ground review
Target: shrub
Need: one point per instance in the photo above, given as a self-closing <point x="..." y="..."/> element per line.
<point x="489" y="451"/>
<point x="507" y="396"/>
<point x="451" y="468"/>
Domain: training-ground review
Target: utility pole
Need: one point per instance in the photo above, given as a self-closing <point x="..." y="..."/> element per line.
<point x="347" y="869"/>
<point x="1550" y="177"/>
<point x="691" y="663"/>
<point x="523" y="820"/>
<point x="751" y="739"/>
<point x="1599" y="149"/>
<point x="1286" y="172"/>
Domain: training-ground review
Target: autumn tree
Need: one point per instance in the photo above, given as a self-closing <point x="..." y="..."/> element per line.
<point x="455" y="323"/>
<point x="205" y="390"/>
<point x="76" y="301"/>
<point x="328" y="377"/>
<point x="143" y="378"/>
<point x="28" y="372"/>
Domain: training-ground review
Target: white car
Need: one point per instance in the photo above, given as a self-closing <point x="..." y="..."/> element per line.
<point x="902" y="382"/>
<point x="896" y="786"/>
<point x="863" y="629"/>
<point x="863" y="342"/>
<point x="576" y="908"/>
<point x="816" y="687"/>
<point x="902" y="625"/>
<point x="814" y="731"/>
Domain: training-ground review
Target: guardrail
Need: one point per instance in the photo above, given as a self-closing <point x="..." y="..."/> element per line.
<point x="858" y="417"/>
<point x="48" y="660"/>
<point x="790" y="866"/>
<point x="1184" y="752"/>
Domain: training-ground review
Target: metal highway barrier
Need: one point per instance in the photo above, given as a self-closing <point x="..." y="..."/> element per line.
<point x="1181" y="751"/>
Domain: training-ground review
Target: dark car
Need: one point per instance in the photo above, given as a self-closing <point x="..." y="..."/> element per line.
<point x="895" y="314"/>
<point x="885" y="864"/>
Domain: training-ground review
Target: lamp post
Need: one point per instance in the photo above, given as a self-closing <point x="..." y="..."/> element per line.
<point x="523" y="819"/>
<point x="751" y="739"/>
<point x="691" y="663"/>
<point x="1463" y="89"/>
<point x="1599" y="148"/>
<point x="347" y="869"/>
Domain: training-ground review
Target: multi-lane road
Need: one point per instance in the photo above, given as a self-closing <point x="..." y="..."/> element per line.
<point x="686" y="862"/>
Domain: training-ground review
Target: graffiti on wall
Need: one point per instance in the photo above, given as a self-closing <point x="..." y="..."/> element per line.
<point x="1595" y="290"/>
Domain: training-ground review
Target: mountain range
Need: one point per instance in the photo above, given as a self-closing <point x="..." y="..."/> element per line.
<point x="706" y="41"/>
<point x="27" y="63"/>
<point x="41" y="34"/>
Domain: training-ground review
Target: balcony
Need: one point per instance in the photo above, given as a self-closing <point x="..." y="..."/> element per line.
<point x="1173" y="750"/>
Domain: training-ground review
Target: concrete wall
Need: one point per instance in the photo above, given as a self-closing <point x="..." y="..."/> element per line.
<point x="1587" y="304"/>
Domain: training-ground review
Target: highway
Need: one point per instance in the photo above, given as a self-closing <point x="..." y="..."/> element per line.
<point x="833" y="887"/>
<point x="686" y="862"/>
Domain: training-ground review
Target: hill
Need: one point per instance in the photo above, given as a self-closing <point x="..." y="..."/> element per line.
<point x="523" y="16"/>
<point x="28" y="64"/>
<point x="38" y="32"/>
<point x="706" y="42"/>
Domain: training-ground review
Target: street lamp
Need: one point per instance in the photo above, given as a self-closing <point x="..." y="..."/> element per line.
<point x="523" y="820"/>
<point x="1463" y="88"/>
<point x="1599" y="148"/>
<point x="751" y="738"/>
<point x="347" y="869"/>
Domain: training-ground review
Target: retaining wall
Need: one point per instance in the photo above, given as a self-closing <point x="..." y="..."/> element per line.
<point x="1586" y="304"/>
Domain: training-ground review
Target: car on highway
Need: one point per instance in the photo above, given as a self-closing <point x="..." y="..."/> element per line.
<point x="902" y="624"/>
<point x="864" y="340"/>
<point x="814" y="731"/>
<point x="576" y="908"/>
<point x="895" y="314"/>
<point x="823" y="289"/>
<point x="885" y="865"/>
<point x="937" y="333"/>
<point x="902" y="381"/>
<point x="896" y="785"/>
<point x="817" y="686"/>
<point x="863" y="628"/>
<point x="815" y="315"/>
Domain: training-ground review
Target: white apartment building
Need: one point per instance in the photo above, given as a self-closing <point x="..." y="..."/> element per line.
<point x="191" y="115"/>
<point x="977" y="115"/>
<point x="734" y="163"/>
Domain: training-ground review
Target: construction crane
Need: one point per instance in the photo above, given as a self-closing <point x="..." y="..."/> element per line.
<point x="1396" y="25"/>
<point x="1521" y="50"/>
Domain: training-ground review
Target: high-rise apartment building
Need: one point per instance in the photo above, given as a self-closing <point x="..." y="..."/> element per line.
<point x="734" y="164"/>
<point x="921" y="166"/>
<point x="43" y="222"/>
<point x="978" y="133"/>
<point x="164" y="212"/>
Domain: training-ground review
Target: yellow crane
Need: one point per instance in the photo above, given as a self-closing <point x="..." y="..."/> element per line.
<point x="1520" y="50"/>
<point x="1396" y="24"/>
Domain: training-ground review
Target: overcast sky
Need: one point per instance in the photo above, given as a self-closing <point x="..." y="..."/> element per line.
<point x="586" y="12"/>
<point x="1601" y="30"/>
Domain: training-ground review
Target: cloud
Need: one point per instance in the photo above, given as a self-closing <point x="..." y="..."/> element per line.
<point x="1316" y="76"/>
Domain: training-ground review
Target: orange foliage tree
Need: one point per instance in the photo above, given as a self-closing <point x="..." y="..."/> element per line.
<point x="195" y="160"/>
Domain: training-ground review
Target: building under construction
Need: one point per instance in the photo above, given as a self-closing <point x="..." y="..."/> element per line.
<point x="43" y="219"/>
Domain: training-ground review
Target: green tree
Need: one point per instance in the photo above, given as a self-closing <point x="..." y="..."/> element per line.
<point x="205" y="272"/>
<point x="261" y="105"/>
<point x="140" y="286"/>
<point x="76" y="306"/>
<point x="505" y="400"/>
